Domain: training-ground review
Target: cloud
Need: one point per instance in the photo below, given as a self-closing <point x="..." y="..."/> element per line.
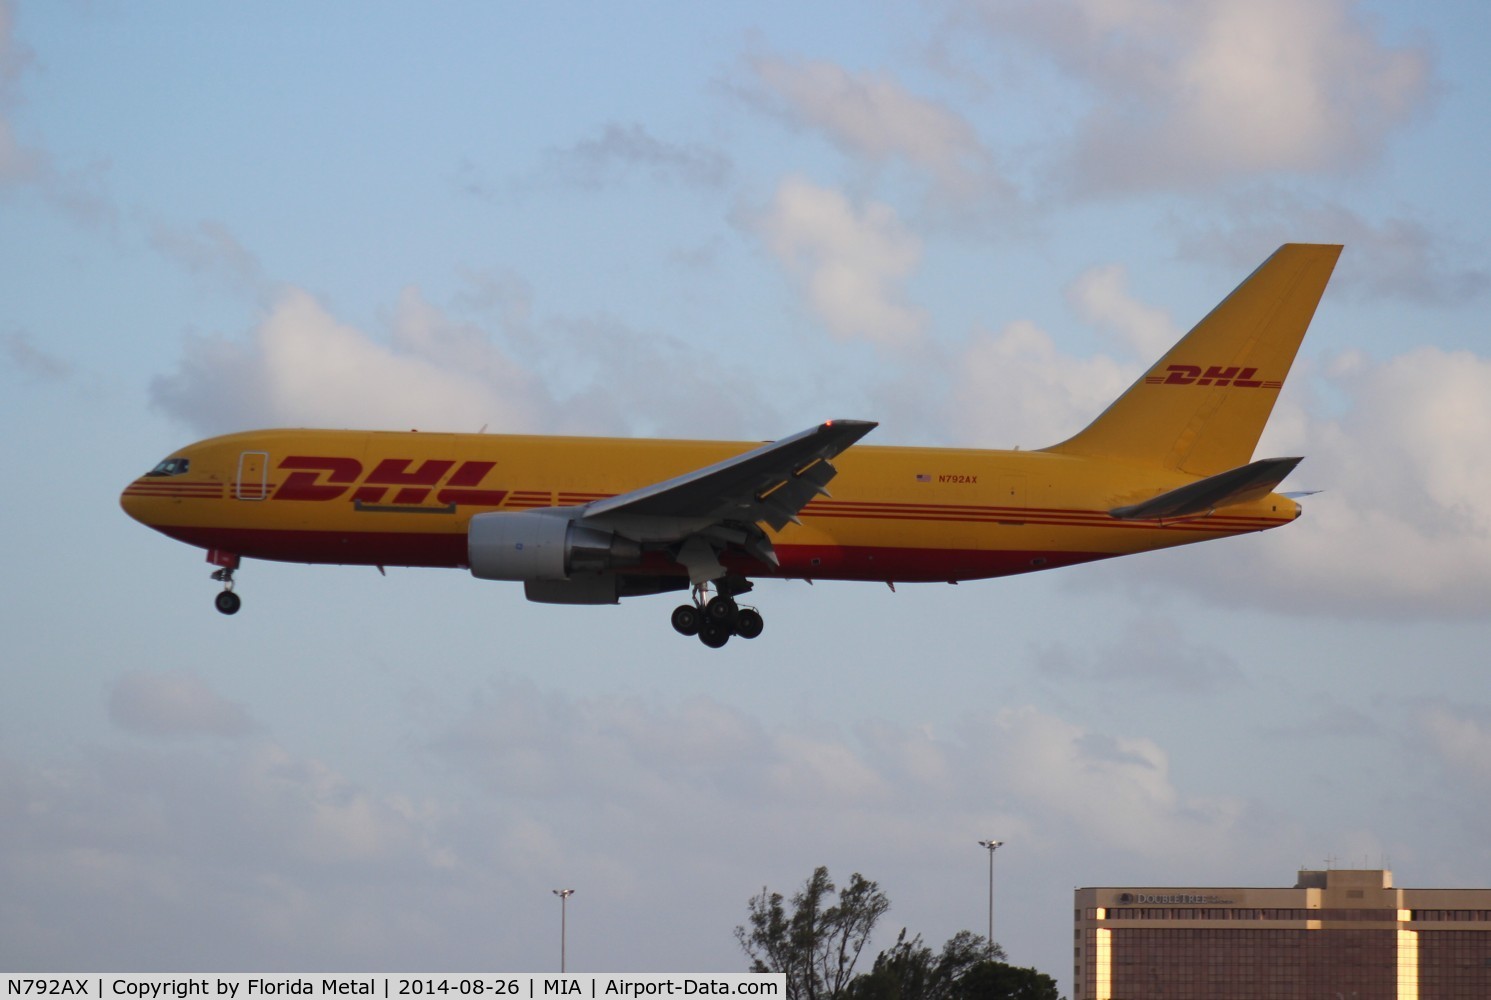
<point x="872" y="116"/>
<point x="254" y="855"/>
<point x="303" y="367"/>
<point x="1150" y="655"/>
<point x="35" y="361"/>
<point x="1402" y="258"/>
<point x="19" y="164"/>
<point x="621" y="150"/>
<point x="172" y="704"/>
<point x="1398" y="465"/>
<point x="1392" y="457"/>
<point x="1183" y="95"/>
<point x="1083" y="786"/>
<point x="851" y="264"/>
<point x="737" y="776"/>
<point x="1403" y="528"/>
<point x="1101" y="297"/>
<point x="1462" y="742"/>
<point x="209" y="249"/>
<point x="1014" y="388"/>
<point x="27" y="166"/>
<point x="178" y="859"/>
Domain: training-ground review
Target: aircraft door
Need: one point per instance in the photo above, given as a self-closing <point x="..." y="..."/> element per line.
<point x="253" y="476"/>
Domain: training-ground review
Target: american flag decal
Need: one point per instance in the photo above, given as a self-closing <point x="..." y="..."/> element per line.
<point x="922" y="477"/>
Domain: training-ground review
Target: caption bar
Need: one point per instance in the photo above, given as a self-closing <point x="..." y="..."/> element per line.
<point x="526" y="986"/>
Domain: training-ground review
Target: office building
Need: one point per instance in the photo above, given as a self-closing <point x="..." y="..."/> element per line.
<point x="1335" y="935"/>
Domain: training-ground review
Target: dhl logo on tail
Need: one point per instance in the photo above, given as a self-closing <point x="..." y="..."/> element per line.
<point x="1216" y="375"/>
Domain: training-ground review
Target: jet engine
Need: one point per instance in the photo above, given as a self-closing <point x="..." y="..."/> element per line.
<point x="539" y="546"/>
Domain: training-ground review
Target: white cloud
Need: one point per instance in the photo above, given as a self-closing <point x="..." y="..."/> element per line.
<point x="872" y="115"/>
<point x="1152" y="655"/>
<point x="1185" y="94"/>
<point x="1116" y="789"/>
<point x="1101" y="296"/>
<point x="620" y="150"/>
<point x="188" y="860"/>
<point x="852" y="264"/>
<point x="706" y="759"/>
<point x="1400" y="464"/>
<point x="1396" y="257"/>
<point x="1016" y="388"/>
<point x="18" y="163"/>
<point x="1404" y="525"/>
<point x="1461" y="742"/>
<point x="35" y="361"/>
<point x="174" y="703"/>
<point x="209" y="249"/>
<point x="26" y="165"/>
<point x="303" y="367"/>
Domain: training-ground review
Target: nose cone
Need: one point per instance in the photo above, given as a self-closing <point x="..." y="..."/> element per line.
<point x="135" y="500"/>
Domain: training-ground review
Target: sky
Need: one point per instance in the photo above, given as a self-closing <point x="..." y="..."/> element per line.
<point x="974" y="221"/>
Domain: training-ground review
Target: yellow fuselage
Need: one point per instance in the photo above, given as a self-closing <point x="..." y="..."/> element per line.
<point x="896" y="514"/>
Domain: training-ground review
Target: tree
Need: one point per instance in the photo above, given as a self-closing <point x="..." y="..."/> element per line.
<point x="909" y="970"/>
<point x="816" y="946"/>
<point x="998" y="981"/>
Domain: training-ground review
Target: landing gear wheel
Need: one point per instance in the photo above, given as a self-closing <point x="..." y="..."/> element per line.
<point x="228" y="602"/>
<point x="722" y="609"/>
<point x="713" y="634"/>
<point x="748" y="623"/>
<point x="687" y="619"/>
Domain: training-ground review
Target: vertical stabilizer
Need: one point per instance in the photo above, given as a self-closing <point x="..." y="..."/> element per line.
<point x="1202" y="407"/>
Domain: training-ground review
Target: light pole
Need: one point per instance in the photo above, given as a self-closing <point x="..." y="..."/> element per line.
<point x="991" y="845"/>
<point x="564" y="895"/>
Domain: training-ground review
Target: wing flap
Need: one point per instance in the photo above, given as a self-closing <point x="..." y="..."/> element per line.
<point x="1239" y="485"/>
<point x="771" y="483"/>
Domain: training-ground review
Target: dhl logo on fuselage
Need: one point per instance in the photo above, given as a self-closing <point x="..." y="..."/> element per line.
<point x="1242" y="378"/>
<point x="325" y="477"/>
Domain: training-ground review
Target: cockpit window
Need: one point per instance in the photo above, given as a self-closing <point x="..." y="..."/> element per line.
<point x="171" y="467"/>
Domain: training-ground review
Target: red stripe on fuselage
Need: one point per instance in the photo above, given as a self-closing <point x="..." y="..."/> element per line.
<point x="445" y="550"/>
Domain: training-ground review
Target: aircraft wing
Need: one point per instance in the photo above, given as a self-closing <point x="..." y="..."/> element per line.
<point x="770" y="483"/>
<point x="1239" y="485"/>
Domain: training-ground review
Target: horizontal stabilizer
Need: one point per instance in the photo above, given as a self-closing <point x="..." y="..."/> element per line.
<point x="1247" y="482"/>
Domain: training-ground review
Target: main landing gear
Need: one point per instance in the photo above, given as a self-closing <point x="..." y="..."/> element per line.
<point x="714" y="621"/>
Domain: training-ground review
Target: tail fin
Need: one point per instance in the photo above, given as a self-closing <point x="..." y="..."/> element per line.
<point x="1202" y="406"/>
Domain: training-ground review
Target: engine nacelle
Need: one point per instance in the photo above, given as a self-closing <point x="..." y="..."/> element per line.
<point x="543" y="545"/>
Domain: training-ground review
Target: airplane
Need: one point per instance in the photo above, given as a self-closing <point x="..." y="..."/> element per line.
<point x="583" y="520"/>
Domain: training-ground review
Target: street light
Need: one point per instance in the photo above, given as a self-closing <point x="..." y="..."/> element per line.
<point x="564" y="895"/>
<point x="991" y="845"/>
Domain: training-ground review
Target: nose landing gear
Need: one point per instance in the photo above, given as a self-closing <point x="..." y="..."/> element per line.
<point x="719" y="617"/>
<point x="226" y="601"/>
